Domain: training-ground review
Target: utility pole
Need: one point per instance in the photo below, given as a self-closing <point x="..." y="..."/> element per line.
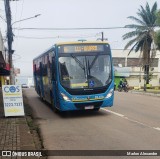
<point x="102" y="36"/>
<point x="102" y="39"/>
<point x="9" y="38"/>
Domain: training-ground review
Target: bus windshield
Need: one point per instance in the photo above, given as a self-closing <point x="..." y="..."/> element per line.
<point x="85" y="71"/>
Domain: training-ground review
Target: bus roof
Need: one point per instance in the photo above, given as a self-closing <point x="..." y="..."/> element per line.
<point x="82" y="42"/>
<point x="73" y="42"/>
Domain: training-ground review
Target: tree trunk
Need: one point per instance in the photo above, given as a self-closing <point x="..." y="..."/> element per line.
<point x="146" y="70"/>
<point x="148" y="63"/>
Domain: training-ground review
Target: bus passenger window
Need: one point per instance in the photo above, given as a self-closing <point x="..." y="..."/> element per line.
<point x="34" y="69"/>
<point x="53" y="72"/>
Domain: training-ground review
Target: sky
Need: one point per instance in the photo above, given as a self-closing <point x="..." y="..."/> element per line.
<point x="65" y="14"/>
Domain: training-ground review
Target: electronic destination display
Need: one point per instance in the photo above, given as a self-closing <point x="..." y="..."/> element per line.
<point x="81" y="48"/>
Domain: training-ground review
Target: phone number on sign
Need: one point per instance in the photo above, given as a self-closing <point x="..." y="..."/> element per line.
<point x="12" y="104"/>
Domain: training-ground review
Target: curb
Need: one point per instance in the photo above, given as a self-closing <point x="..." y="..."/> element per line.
<point x="146" y="93"/>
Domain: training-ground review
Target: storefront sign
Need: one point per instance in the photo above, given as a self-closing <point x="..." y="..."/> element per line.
<point x="13" y="100"/>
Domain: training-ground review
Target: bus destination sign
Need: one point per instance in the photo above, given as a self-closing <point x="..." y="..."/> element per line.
<point x="81" y="48"/>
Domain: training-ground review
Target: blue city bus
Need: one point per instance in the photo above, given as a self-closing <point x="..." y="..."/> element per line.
<point x="75" y="76"/>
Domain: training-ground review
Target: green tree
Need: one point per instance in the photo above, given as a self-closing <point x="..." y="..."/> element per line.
<point x="142" y="36"/>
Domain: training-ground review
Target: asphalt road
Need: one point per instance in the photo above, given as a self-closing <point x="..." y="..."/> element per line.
<point x="133" y="123"/>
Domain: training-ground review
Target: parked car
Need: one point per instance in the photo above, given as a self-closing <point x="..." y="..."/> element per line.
<point x="24" y="86"/>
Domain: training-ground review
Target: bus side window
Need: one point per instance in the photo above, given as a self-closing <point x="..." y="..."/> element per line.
<point x="35" y="70"/>
<point x="53" y="69"/>
<point x="40" y="69"/>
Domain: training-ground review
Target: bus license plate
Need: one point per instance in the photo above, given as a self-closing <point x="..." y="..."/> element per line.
<point x="89" y="107"/>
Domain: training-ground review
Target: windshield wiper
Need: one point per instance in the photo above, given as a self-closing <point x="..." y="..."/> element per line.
<point x="94" y="60"/>
<point x="89" y="69"/>
<point x="79" y="62"/>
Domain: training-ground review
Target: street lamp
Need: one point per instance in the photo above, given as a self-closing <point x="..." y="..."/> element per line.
<point x="26" y="19"/>
<point x="12" y="81"/>
<point x="10" y="37"/>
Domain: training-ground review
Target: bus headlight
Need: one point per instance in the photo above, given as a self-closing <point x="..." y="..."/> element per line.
<point x="110" y="93"/>
<point x="65" y="97"/>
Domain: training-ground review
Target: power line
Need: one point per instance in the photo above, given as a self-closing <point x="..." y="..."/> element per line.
<point x="55" y="37"/>
<point x="71" y="28"/>
<point x="2" y="18"/>
<point x="85" y="28"/>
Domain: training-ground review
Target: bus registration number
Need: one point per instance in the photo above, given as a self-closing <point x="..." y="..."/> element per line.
<point x="89" y="107"/>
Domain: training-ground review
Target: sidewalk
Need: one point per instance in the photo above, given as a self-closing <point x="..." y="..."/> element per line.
<point x="149" y="92"/>
<point x="14" y="133"/>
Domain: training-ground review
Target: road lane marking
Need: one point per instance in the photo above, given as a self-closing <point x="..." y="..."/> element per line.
<point x="121" y="115"/>
<point x="135" y="121"/>
<point x="157" y="128"/>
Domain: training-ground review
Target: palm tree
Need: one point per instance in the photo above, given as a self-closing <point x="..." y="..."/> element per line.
<point x="143" y="34"/>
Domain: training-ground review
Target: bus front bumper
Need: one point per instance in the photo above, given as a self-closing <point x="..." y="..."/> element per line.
<point x="67" y="106"/>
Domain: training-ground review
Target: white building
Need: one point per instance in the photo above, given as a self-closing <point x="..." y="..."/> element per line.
<point x="135" y="73"/>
